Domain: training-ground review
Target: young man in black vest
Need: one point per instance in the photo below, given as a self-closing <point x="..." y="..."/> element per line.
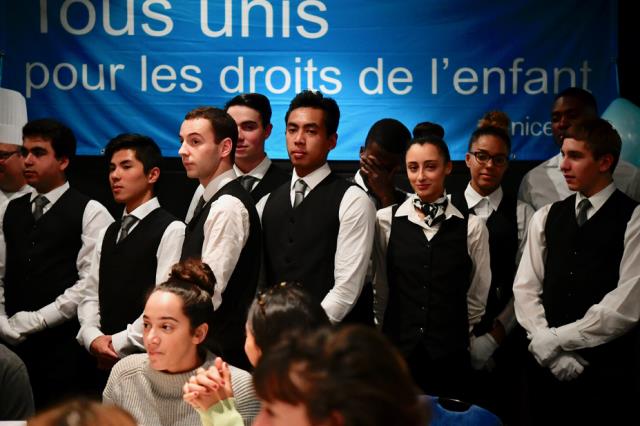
<point x="131" y="255"/>
<point x="224" y="230"/>
<point x="257" y="174"/>
<point x="496" y="358"/>
<point x="578" y="285"/>
<point x="48" y="237"/>
<point x="380" y="159"/>
<point x="318" y="228"/>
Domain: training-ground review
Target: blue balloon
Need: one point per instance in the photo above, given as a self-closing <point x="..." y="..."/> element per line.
<point x="625" y="117"/>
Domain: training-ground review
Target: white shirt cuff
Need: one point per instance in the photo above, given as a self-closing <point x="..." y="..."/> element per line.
<point x="570" y="337"/>
<point x="87" y="335"/>
<point x="51" y="315"/>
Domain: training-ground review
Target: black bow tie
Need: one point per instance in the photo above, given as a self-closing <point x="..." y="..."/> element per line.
<point x="433" y="212"/>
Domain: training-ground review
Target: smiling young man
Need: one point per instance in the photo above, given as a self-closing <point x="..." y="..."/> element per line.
<point x="318" y="228"/>
<point x="131" y="255"/>
<point x="577" y="288"/>
<point x="224" y="230"/>
<point x="48" y="239"/>
<point x="545" y="183"/>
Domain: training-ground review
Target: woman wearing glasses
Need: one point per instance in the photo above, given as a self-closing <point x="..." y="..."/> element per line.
<point x="507" y="220"/>
<point x="432" y="274"/>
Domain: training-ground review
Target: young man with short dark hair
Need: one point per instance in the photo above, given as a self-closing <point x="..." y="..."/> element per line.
<point x="577" y="288"/>
<point x="48" y="237"/>
<point x="224" y="230"/>
<point x="256" y="172"/>
<point x="318" y="228"/>
<point x="131" y="256"/>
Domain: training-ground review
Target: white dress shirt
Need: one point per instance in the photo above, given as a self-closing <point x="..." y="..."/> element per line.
<point x="226" y="231"/>
<point x="545" y="183"/>
<point x="168" y="253"/>
<point x="94" y="218"/>
<point x="258" y="172"/>
<point x="5" y="197"/>
<point x="613" y="316"/>
<point x="353" y="247"/>
<point x="477" y="247"/>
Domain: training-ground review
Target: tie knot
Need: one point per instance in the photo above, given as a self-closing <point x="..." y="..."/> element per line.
<point x="247" y="181"/>
<point x="128" y="221"/>
<point x="433" y="212"/>
<point x="583" y="207"/>
<point x="39" y="202"/>
<point x="299" y="186"/>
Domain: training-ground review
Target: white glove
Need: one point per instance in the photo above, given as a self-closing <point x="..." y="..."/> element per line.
<point x="27" y="323"/>
<point x="481" y="349"/>
<point x="567" y="366"/>
<point x="7" y="333"/>
<point x="545" y="345"/>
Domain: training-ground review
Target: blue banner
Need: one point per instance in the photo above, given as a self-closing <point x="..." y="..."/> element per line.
<point x="112" y="66"/>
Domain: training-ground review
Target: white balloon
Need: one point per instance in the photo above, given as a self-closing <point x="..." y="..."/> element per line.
<point x="625" y="117"/>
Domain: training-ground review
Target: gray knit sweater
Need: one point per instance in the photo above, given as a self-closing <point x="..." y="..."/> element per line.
<point x="154" y="398"/>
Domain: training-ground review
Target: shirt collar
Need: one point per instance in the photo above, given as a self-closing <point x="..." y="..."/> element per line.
<point x="473" y="198"/>
<point x="144" y="209"/>
<point x="597" y="200"/>
<point x="54" y="194"/>
<point x="218" y="182"/>
<point x="312" y="179"/>
<point x="258" y="172"/>
<point x="359" y="180"/>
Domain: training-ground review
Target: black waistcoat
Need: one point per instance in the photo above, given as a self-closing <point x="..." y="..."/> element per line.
<point x="300" y="243"/>
<point x="582" y="263"/>
<point x="230" y="317"/>
<point x="128" y="270"/>
<point x="42" y="255"/>
<point x="274" y="177"/>
<point x="582" y="266"/>
<point x="502" y="225"/>
<point x="428" y="284"/>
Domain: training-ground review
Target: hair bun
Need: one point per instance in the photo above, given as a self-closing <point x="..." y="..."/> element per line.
<point x="194" y="271"/>
<point x="495" y="119"/>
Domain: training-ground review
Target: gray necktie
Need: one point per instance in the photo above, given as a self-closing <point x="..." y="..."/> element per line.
<point x="247" y="182"/>
<point x="40" y="201"/>
<point x="125" y="226"/>
<point x="583" y="206"/>
<point x="298" y="188"/>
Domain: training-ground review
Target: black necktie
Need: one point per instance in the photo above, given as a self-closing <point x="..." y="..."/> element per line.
<point x="583" y="206"/>
<point x="247" y="182"/>
<point x="433" y="212"/>
<point x="39" y="202"/>
<point x="198" y="208"/>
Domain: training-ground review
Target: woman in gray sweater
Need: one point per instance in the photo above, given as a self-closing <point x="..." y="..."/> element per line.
<point x="149" y="385"/>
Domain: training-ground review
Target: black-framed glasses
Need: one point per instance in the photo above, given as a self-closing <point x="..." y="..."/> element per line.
<point x="483" y="157"/>
<point x="5" y="155"/>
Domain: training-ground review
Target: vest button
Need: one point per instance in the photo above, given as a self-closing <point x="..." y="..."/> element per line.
<point x="422" y="308"/>
<point x="425" y="266"/>
<point x="292" y="220"/>
<point x="421" y="330"/>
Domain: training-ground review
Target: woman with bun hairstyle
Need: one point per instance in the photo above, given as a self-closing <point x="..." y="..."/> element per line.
<point x="275" y="315"/>
<point x="432" y="274"/>
<point x="175" y="317"/>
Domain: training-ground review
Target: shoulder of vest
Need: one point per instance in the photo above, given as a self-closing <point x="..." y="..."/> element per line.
<point x="460" y="202"/>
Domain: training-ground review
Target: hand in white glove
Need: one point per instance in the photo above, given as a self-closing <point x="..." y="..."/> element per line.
<point x="481" y="349"/>
<point x="27" y="323"/>
<point x="7" y="333"/>
<point x="545" y="345"/>
<point x="567" y="366"/>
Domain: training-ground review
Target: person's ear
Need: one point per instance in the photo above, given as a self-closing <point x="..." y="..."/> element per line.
<point x="467" y="159"/>
<point x="153" y="175"/>
<point x="267" y="131"/>
<point x="200" y="333"/>
<point x="447" y="168"/>
<point x="63" y="163"/>
<point x="605" y="162"/>
<point x="226" y="147"/>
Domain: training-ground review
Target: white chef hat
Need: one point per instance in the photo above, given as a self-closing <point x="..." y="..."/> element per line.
<point x="13" y="116"/>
